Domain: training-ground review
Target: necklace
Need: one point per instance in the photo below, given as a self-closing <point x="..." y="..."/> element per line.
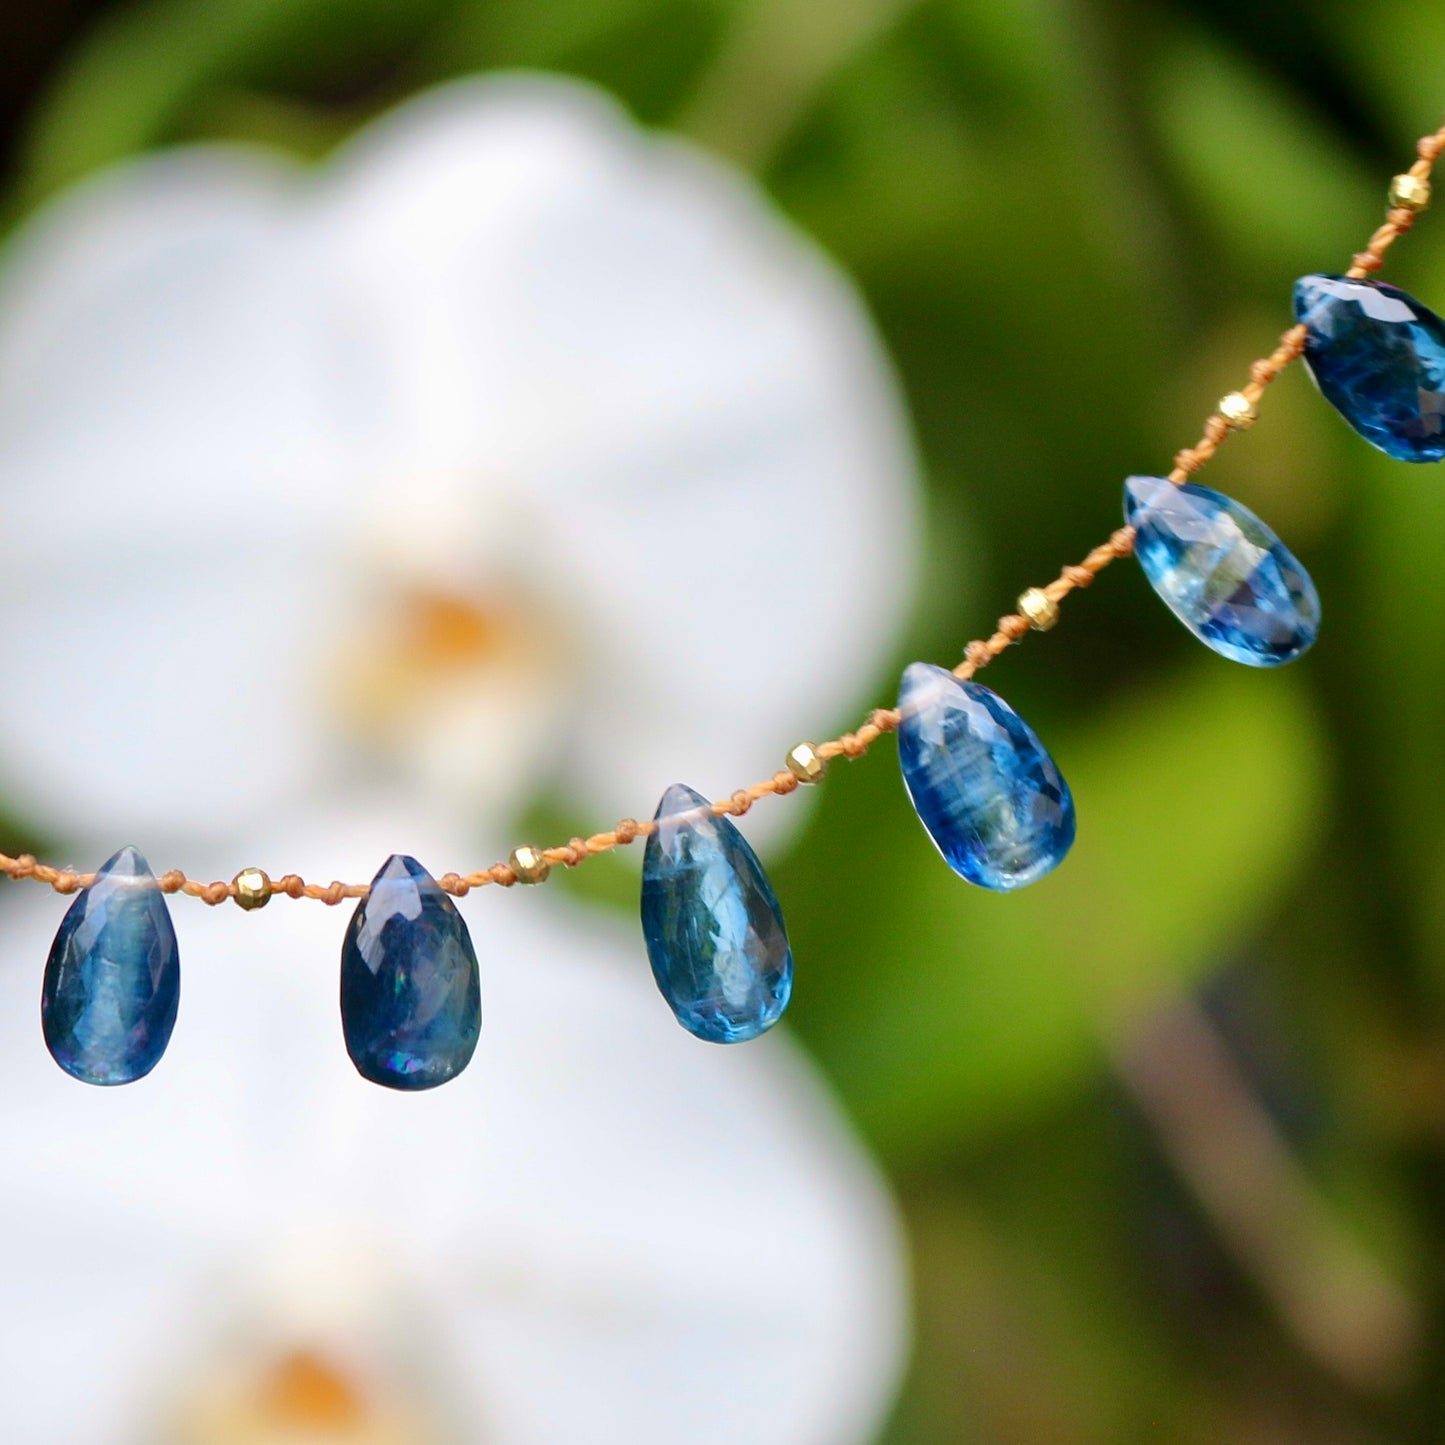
<point x="984" y="786"/>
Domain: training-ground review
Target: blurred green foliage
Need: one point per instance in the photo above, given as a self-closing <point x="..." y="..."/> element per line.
<point x="964" y="1011"/>
<point x="1075" y="222"/>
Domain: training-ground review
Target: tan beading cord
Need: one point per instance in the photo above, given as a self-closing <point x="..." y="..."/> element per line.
<point x="978" y="654"/>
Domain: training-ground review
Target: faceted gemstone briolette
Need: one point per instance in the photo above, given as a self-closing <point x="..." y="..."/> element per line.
<point x="1224" y="574"/>
<point x="1378" y="357"/>
<point x="714" y="932"/>
<point x="113" y="980"/>
<point x="991" y="797"/>
<point x="411" y="997"/>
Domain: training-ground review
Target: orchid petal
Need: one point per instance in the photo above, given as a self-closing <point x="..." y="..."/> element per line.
<point x="597" y="1198"/>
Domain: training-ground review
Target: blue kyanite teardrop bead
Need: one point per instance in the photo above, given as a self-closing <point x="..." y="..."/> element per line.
<point x="714" y="931"/>
<point x="1224" y="574"/>
<point x="991" y="798"/>
<point x="1378" y="356"/>
<point x="113" y="979"/>
<point x="411" y="999"/>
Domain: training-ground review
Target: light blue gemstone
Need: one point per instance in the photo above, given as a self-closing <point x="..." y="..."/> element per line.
<point x="1224" y="574"/>
<point x="411" y="997"/>
<point x="113" y="979"/>
<point x="714" y="931"/>
<point x="992" y="799"/>
<point x="1378" y="357"/>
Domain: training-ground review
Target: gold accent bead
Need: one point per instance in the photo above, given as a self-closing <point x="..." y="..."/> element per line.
<point x="806" y="764"/>
<point x="1040" y="609"/>
<point x="253" y="888"/>
<point x="529" y="864"/>
<point x="1238" y="410"/>
<point x="1410" y="193"/>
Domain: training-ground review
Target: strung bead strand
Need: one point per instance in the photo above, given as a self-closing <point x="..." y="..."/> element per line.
<point x="983" y="784"/>
<point x="1038" y="610"/>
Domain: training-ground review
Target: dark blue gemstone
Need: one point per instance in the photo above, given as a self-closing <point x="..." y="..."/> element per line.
<point x="714" y="931"/>
<point x="1378" y="356"/>
<point x="991" y="798"/>
<point x="1224" y="574"/>
<point x="411" y="999"/>
<point x="113" y="979"/>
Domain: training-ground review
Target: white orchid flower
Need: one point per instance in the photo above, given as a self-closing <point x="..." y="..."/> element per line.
<point x="560" y="454"/>
<point x="343" y="513"/>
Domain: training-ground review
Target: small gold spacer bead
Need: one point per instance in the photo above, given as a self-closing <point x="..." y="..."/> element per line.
<point x="253" y="888"/>
<point x="529" y="864"/>
<point x="1040" y="609"/>
<point x="1238" y="410"/>
<point x="1409" y="193"/>
<point x="806" y="763"/>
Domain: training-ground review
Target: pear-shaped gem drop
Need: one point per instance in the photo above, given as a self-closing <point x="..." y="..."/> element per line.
<point x="411" y="998"/>
<point x="714" y="931"/>
<point x="113" y="979"/>
<point x="1378" y="356"/>
<point x="991" y="798"/>
<point x="1224" y="574"/>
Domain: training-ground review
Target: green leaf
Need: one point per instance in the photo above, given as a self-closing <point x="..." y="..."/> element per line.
<point x="1395" y="45"/>
<point x="134" y="82"/>
<point x="1263" y="173"/>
